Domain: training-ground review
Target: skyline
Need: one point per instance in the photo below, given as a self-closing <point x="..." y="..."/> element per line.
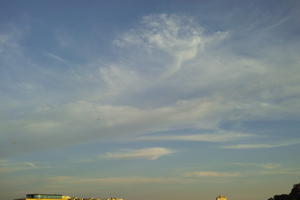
<point x="154" y="100"/>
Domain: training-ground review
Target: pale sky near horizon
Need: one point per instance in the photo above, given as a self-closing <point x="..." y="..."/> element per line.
<point x="150" y="99"/>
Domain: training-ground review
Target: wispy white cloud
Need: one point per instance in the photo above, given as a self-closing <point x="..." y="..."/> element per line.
<point x="221" y="136"/>
<point x="260" y="165"/>
<point x="280" y="171"/>
<point x="212" y="174"/>
<point x="146" y="153"/>
<point x="267" y="169"/>
<point x="178" y="37"/>
<point x="7" y="166"/>
<point x="252" y="169"/>
<point x="142" y="91"/>
<point x="262" y="146"/>
<point x="116" y="180"/>
<point x="56" y="57"/>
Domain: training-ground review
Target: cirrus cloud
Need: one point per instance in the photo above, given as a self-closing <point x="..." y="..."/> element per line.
<point x="212" y="174"/>
<point x="145" y="153"/>
<point x="169" y="74"/>
<point x="262" y="146"/>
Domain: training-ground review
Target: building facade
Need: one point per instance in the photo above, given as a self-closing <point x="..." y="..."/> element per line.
<point x="221" y="197"/>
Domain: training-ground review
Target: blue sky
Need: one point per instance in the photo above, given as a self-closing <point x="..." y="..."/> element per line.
<point x="149" y="99"/>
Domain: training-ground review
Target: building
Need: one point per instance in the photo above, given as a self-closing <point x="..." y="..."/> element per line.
<point x="221" y="197"/>
<point x="114" y="198"/>
<point x="59" y="197"/>
<point x="46" y="197"/>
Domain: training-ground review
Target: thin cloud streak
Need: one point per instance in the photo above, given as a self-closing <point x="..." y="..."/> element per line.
<point x="57" y="58"/>
<point x="262" y="146"/>
<point x="7" y="166"/>
<point x="259" y="165"/>
<point x="280" y="171"/>
<point x="116" y="180"/>
<point x="146" y="153"/>
<point x="212" y="174"/>
<point x="219" y="137"/>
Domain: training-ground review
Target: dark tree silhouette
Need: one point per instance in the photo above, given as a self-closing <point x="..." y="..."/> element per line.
<point x="294" y="194"/>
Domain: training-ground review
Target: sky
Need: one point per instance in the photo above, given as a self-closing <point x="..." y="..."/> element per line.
<point x="149" y="99"/>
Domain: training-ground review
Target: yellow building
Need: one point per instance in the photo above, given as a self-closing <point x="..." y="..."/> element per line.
<point x="114" y="198"/>
<point x="221" y="197"/>
<point x="46" y="197"/>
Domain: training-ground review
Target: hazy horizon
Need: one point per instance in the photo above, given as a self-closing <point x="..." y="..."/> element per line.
<point x="149" y="99"/>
